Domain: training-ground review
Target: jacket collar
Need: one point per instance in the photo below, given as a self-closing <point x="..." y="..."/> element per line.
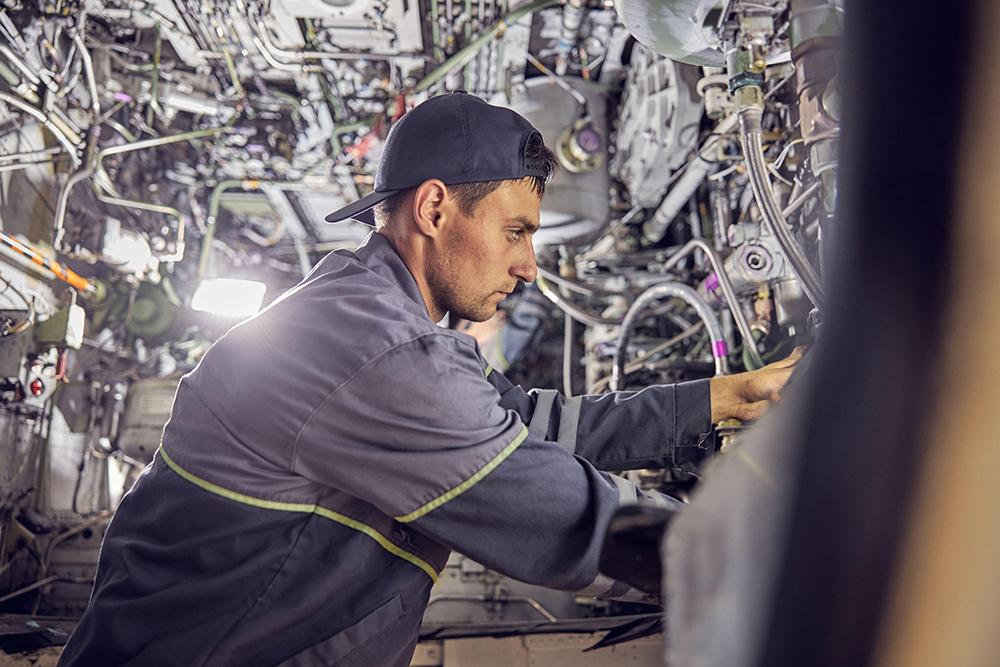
<point x="379" y="256"/>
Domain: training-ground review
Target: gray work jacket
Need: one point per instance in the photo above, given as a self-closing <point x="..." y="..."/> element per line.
<point x="324" y="458"/>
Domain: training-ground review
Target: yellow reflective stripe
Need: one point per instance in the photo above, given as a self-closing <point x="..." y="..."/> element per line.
<point x="501" y="357"/>
<point x="467" y="484"/>
<point x="305" y="509"/>
<point x="489" y="369"/>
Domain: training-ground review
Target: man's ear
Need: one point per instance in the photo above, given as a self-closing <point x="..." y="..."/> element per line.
<point x="428" y="206"/>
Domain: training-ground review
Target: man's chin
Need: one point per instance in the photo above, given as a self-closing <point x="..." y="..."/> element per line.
<point x="480" y="314"/>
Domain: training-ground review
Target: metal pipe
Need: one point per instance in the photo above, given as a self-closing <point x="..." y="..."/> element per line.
<point x="21" y="87"/>
<point x="727" y="291"/>
<point x="21" y="66"/>
<point x="214" y="204"/>
<point x="28" y="155"/>
<point x="50" y="265"/>
<point x="88" y="68"/>
<point x="571" y="310"/>
<point x="793" y="206"/>
<point x="179" y="243"/>
<point x="689" y="296"/>
<point x="24" y="165"/>
<point x="273" y="62"/>
<point x="560" y="82"/>
<point x="42" y="118"/>
<point x="574" y="285"/>
<point x="572" y="17"/>
<point x="160" y="141"/>
<point x="301" y="56"/>
<point x="695" y="172"/>
<point x="767" y="202"/>
<point x="462" y="57"/>
<point x="58" y="224"/>
<point x="640" y="361"/>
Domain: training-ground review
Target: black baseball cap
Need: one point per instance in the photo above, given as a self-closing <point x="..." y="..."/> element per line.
<point x="456" y="138"/>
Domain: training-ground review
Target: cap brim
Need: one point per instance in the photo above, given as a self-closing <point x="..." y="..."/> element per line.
<point x="360" y="210"/>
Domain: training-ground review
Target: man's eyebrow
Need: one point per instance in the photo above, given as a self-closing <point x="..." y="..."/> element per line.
<point x="529" y="225"/>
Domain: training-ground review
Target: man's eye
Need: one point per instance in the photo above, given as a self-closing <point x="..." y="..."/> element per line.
<point x="515" y="234"/>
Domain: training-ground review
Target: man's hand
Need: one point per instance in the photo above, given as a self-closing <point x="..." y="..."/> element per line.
<point x="747" y="395"/>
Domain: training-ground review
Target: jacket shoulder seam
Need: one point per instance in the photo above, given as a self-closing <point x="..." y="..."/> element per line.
<point x="350" y="378"/>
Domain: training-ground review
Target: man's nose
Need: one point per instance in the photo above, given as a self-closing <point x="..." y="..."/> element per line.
<point x="526" y="269"/>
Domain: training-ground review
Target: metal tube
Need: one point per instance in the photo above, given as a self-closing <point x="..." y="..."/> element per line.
<point x="58" y="228"/>
<point x="23" y="68"/>
<point x="574" y="285"/>
<point x="160" y="141"/>
<point x="42" y="118"/>
<point x="571" y="310"/>
<point x="88" y="68"/>
<point x="24" y="165"/>
<point x="767" y="202"/>
<point x="29" y="155"/>
<point x="301" y="56"/>
<point x="214" y="204"/>
<point x="695" y="172"/>
<point x="468" y="52"/>
<point x="727" y="291"/>
<point x="689" y="296"/>
<point x="179" y="242"/>
<point x="572" y="17"/>
<point x="559" y="81"/>
<point x="640" y="361"/>
<point x="273" y="62"/>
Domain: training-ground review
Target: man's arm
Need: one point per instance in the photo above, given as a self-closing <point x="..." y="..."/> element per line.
<point x="420" y="434"/>
<point x="662" y="426"/>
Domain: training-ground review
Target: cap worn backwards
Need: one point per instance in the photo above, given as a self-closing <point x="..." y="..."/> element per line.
<point x="456" y="138"/>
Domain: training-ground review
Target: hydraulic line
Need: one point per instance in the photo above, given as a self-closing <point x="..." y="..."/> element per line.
<point x="464" y="55"/>
<point x="574" y="285"/>
<point x="750" y="139"/>
<point x="695" y="172"/>
<point x="41" y="117"/>
<point x="215" y="204"/>
<point x="689" y="296"/>
<point x="179" y="243"/>
<point x="727" y="291"/>
<point x="269" y="48"/>
<point x="570" y="309"/>
<point x="86" y="287"/>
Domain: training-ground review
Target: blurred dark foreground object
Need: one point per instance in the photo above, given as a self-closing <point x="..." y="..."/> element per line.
<point x="631" y="551"/>
<point x="853" y="527"/>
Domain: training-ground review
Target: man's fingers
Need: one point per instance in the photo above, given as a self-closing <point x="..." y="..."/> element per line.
<point x="751" y="411"/>
<point x="790" y="360"/>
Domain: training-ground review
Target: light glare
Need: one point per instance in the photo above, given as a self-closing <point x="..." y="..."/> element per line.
<point x="229" y="297"/>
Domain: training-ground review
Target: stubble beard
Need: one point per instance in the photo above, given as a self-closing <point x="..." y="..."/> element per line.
<point x="450" y="298"/>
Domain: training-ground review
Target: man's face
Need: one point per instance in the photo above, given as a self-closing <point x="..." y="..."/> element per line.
<point x="482" y="257"/>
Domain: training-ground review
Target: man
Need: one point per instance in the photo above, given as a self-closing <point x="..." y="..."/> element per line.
<point x="325" y="456"/>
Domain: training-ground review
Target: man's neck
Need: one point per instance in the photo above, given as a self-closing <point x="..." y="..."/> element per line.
<point x="412" y="253"/>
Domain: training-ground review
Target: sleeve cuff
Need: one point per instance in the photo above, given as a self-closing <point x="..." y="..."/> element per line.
<point x="694" y="435"/>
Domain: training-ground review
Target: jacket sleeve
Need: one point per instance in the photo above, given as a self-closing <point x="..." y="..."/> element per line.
<point x="662" y="426"/>
<point x="421" y="434"/>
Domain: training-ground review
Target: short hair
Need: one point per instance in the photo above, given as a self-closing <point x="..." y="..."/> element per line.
<point x="469" y="195"/>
